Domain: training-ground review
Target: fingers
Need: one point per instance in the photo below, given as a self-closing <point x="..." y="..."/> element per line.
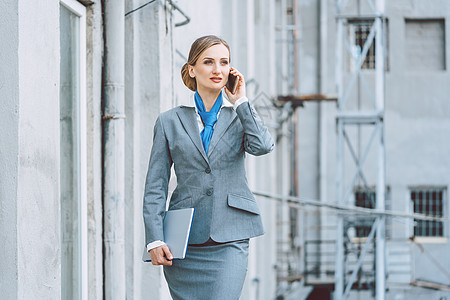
<point x="240" y="90"/>
<point x="167" y="252"/>
<point x="231" y="97"/>
<point x="227" y="91"/>
<point x="237" y="73"/>
<point x="159" y="255"/>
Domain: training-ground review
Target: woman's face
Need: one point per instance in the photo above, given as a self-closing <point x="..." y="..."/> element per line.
<point x="212" y="68"/>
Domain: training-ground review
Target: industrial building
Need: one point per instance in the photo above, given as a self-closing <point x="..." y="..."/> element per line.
<point x="354" y="198"/>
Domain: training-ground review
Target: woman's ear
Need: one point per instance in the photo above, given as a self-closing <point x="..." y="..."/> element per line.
<point x="191" y="71"/>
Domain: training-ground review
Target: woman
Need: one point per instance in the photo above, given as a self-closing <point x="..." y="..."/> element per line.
<point x="206" y="143"/>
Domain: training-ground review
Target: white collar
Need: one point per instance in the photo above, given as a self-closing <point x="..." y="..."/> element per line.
<point x="225" y="102"/>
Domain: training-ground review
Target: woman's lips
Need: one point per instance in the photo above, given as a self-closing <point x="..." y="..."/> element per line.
<point x="216" y="79"/>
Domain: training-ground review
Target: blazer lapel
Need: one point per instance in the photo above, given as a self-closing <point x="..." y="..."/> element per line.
<point x="188" y="118"/>
<point x="222" y="124"/>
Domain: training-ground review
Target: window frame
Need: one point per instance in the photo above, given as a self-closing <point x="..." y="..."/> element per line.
<point x="351" y="26"/>
<point x="365" y="225"/>
<point x="388" y="207"/>
<point x="80" y="11"/>
<point x="417" y="20"/>
<point x="429" y="239"/>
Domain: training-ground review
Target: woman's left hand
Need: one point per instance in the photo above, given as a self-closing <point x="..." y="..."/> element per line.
<point x="240" y="90"/>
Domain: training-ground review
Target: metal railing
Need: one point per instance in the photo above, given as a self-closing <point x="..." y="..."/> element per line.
<point x="320" y="258"/>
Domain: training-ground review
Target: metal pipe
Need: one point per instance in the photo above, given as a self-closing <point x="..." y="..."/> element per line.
<point x="114" y="148"/>
<point x="339" y="268"/>
<point x="379" y="100"/>
<point x="323" y="54"/>
<point x="296" y="34"/>
<point x="284" y="84"/>
<point x="176" y="7"/>
<point x="339" y="273"/>
<point x="352" y="210"/>
<point x="323" y="119"/>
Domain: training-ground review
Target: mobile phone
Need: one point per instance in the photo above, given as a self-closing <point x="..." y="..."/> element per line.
<point x="232" y="83"/>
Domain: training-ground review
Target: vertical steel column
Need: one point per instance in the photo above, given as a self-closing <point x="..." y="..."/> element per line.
<point x="379" y="100"/>
<point x="296" y="32"/>
<point x="339" y="268"/>
<point x="323" y="118"/>
<point x="345" y="116"/>
<point x="114" y="148"/>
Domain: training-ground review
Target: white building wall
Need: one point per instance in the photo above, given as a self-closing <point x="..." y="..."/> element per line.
<point x="94" y="55"/>
<point x="417" y="127"/>
<point x="30" y="220"/>
<point x="9" y="146"/>
<point x="148" y="91"/>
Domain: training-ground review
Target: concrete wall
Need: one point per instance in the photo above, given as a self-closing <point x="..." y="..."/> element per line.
<point x="38" y="177"/>
<point x="9" y="146"/>
<point x="94" y="56"/>
<point x="417" y="127"/>
<point x="30" y="213"/>
<point x="148" y="91"/>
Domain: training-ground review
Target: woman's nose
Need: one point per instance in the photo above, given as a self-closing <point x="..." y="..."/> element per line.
<point x="216" y="68"/>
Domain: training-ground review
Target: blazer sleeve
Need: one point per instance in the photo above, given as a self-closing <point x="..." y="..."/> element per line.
<point x="257" y="139"/>
<point x="156" y="185"/>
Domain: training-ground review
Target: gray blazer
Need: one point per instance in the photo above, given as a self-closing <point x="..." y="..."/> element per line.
<point x="214" y="184"/>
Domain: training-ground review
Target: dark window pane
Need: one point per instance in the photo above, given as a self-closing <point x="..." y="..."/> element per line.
<point x="428" y="202"/>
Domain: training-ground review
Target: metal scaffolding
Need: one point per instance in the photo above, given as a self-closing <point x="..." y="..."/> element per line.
<point x="351" y="115"/>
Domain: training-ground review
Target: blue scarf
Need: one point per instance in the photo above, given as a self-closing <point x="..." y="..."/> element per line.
<point x="209" y="118"/>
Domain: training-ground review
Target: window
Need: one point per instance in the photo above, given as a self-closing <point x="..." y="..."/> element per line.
<point x="362" y="31"/>
<point x="358" y="32"/>
<point x="73" y="150"/>
<point x="367" y="197"/>
<point x="425" y="44"/>
<point x="430" y="202"/>
<point x="364" y="198"/>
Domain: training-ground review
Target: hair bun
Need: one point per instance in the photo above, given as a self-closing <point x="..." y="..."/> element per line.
<point x="187" y="79"/>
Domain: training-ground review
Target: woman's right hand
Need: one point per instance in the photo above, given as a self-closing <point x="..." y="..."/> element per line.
<point x="161" y="256"/>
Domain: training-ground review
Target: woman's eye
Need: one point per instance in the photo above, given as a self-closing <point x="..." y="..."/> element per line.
<point x="208" y="62"/>
<point x="225" y="62"/>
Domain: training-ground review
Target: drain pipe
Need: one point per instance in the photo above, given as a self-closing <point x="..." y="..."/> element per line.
<point x="323" y="89"/>
<point x="113" y="150"/>
<point x="323" y="117"/>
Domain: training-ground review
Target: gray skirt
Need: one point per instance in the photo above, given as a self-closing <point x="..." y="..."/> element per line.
<point x="209" y="272"/>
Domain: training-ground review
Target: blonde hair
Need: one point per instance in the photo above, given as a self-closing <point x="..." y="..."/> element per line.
<point x="197" y="48"/>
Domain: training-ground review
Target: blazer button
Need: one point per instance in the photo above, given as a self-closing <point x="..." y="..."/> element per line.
<point x="208" y="170"/>
<point x="209" y="192"/>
